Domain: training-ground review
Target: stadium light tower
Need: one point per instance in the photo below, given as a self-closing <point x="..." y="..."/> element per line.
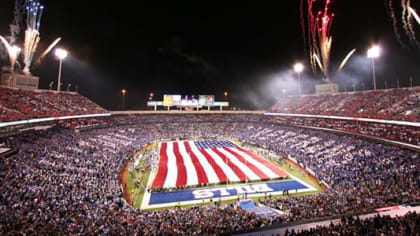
<point x="225" y="94"/>
<point x="373" y="53"/>
<point x="61" y="54"/>
<point x="298" y="69"/>
<point x="123" y="92"/>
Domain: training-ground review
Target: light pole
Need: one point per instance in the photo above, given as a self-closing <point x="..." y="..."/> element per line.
<point x="225" y="94"/>
<point x="373" y="53"/>
<point x="123" y="98"/>
<point x="61" y="54"/>
<point x="151" y="96"/>
<point x="298" y="69"/>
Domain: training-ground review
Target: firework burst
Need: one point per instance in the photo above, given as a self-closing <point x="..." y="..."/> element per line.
<point x="318" y="38"/>
<point x="414" y="13"/>
<point x="346" y="59"/>
<point x="15" y="26"/>
<point x="317" y="34"/>
<point x="408" y="15"/>
<point x="52" y="45"/>
<point x="33" y="21"/>
<point x="12" y="51"/>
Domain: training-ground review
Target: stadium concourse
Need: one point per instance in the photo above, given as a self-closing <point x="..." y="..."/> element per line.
<point x="66" y="182"/>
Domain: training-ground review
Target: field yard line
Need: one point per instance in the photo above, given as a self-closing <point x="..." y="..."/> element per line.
<point x="146" y="195"/>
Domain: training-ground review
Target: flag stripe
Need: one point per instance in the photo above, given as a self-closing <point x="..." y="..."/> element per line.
<point x="219" y="171"/>
<point x="260" y="165"/>
<point x="171" y="177"/>
<point x="208" y="168"/>
<point x="241" y="165"/>
<point x="249" y="164"/>
<point x="189" y="166"/>
<point x="182" y="172"/>
<point x="237" y="164"/>
<point x="233" y="173"/>
<point x="267" y="163"/>
<point x="163" y="170"/>
<point x="190" y="163"/>
<point x="201" y="174"/>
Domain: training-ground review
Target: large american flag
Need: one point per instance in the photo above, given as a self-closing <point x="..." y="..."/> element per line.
<point x="189" y="163"/>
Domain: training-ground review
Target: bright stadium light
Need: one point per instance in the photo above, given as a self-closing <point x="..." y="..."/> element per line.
<point x="373" y="53"/>
<point x="298" y="69"/>
<point x="61" y="54"/>
<point x="123" y="91"/>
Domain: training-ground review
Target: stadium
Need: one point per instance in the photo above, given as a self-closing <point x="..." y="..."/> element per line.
<point x="318" y="160"/>
<point x="88" y="175"/>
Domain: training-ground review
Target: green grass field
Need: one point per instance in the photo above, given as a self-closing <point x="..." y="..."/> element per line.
<point x="142" y="177"/>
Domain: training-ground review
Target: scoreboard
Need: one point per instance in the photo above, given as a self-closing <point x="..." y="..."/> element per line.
<point x="206" y="100"/>
<point x="176" y="100"/>
<point x="171" y="100"/>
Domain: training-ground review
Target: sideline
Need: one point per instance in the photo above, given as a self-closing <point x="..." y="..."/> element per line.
<point x="122" y="176"/>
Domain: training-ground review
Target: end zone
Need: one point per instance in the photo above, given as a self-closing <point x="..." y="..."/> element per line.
<point x="223" y="193"/>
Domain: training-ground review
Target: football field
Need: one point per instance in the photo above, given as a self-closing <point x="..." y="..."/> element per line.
<point x="201" y="172"/>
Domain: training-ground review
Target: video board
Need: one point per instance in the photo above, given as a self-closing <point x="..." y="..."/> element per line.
<point x="186" y="101"/>
<point x="171" y="100"/>
<point x="189" y="102"/>
<point x="206" y="100"/>
<point x="154" y="103"/>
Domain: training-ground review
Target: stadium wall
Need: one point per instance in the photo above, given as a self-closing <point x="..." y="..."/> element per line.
<point x="39" y="120"/>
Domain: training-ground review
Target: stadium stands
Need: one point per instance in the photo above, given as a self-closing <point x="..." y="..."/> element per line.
<point x="17" y="104"/>
<point x="408" y="224"/>
<point x="63" y="182"/>
<point x="391" y="104"/>
<point x="401" y="133"/>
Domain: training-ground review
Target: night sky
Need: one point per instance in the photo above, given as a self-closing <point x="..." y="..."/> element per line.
<point x="246" y="48"/>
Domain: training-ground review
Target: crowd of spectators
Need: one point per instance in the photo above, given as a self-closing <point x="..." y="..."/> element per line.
<point x="390" y="104"/>
<point x="408" y="224"/>
<point x="361" y="175"/>
<point x="17" y="104"/>
<point x="66" y="182"/>
<point x="401" y="133"/>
